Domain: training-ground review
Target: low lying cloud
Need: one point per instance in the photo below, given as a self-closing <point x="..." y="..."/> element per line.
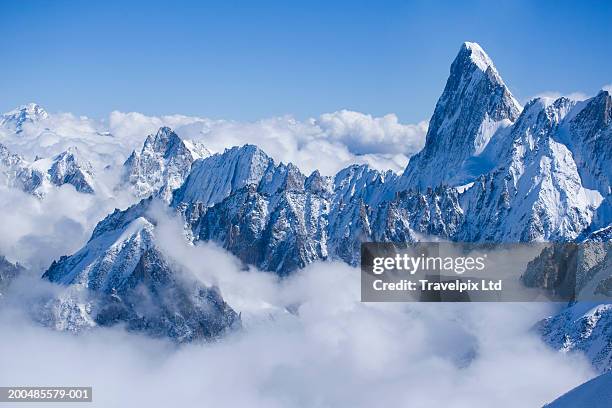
<point x="36" y="231"/>
<point x="334" y="351"/>
<point x="328" y="143"/>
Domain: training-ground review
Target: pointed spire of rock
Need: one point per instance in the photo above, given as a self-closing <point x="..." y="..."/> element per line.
<point x="475" y="104"/>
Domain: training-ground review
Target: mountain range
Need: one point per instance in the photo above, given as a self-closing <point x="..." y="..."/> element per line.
<point x="491" y="170"/>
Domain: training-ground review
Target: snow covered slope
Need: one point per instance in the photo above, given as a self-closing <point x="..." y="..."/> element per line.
<point x="535" y="192"/>
<point x="120" y="276"/>
<point x="276" y="218"/>
<point x="18" y="173"/>
<point x="68" y="168"/>
<point x="596" y="393"/>
<point x="582" y="327"/>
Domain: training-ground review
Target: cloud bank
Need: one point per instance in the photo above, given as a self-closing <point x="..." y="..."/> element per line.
<point x="328" y="143"/>
<point x="334" y="351"/>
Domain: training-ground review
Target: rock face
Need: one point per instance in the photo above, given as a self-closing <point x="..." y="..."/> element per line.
<point x="475" y="105"/>
<point x="162" y="164"/>
<point x="588" y="134"/>
<point x="535" y="193"/>
<point x="8" y="272"/>
<point x="582" y="272"/>
<point x="15" y="119"/>
<point x="68" y="168"/>
<point x="582" y="327"/>
<point x="18" y="173"/>
<point x="125" y="279"/>
<point x="276" y="218"/>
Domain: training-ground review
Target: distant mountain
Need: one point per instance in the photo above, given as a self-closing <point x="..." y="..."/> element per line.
<point x="37" y="177"/>
<point x="68" y="168"/>
<point x="16" y="172"/>
<point x="8" y="272"/>
<point x="15" y="119"/>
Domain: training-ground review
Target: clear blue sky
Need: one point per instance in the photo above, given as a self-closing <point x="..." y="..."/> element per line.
<point x="259" y="59"/>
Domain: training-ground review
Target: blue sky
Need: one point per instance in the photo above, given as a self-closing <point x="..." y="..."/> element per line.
<point x="252" y="60"/>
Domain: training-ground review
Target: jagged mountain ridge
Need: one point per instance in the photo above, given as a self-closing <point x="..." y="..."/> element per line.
<point x="37" y="177"/>
<point x="273" y="216"/>
<point x="537" y="184"/>
<point x="533" y="192"/>
<point x="162" y="164"/>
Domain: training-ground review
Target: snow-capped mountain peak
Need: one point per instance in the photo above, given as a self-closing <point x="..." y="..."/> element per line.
<point x="162" y="164"/>
<point x="128" y="280"/>
<point x="28" y="113"/>
<point x="69" y="168"/>
<point x="477" y="55"/>
<point x="39" y="176"/>
<point x="474" y="107"/>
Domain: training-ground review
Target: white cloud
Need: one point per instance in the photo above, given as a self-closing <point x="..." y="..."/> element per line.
<point x="328" y="143"/>
<point x="607" y="87"/>
<point x="364" y="134"/>
<point x="34" y="232"/>
<point x="336" y="351"/>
